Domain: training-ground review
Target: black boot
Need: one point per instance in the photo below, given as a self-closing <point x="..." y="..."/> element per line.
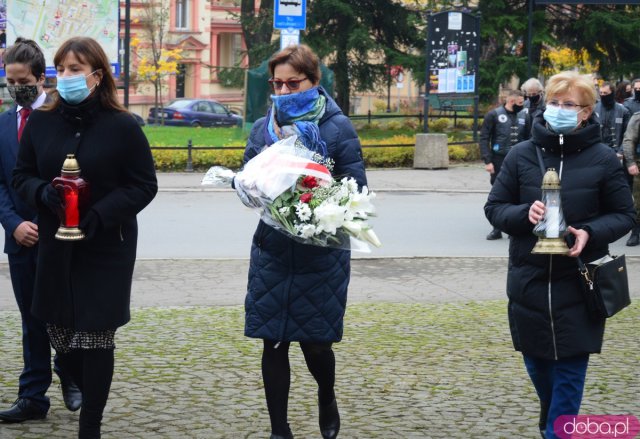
<point x="288" y="435"/>
<point x="329" y="420"/>
<point x="634" y="239"/>
<point x="90" y="422"/>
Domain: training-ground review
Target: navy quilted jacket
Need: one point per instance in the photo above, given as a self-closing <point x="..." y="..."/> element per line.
<point x="298" y="292"/>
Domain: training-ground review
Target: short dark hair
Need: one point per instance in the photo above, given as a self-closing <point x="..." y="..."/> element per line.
<point x="301" y="58"/>
<point x="517" y="93"/>
<point x="27" y="52"/>
<point x="607" y="84"/>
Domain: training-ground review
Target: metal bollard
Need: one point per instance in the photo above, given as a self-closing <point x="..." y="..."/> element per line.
<point x="189" y="159"/>
<point x="369" y="117"/>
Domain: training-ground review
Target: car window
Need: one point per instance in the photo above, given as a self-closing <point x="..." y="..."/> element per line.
<point x="218" y="109"/>
<point x="203" y="107"/>
<point x="180" y="104"/>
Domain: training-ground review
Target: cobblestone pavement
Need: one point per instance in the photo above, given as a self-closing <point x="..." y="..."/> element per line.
<point x="426" y="351"/>
<point x="405" y="370"/>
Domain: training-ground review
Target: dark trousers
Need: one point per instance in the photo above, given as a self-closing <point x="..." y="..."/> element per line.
<point x="35" y="378"/>
<point x="276" y="375"/>
<point x="559" y="385"/>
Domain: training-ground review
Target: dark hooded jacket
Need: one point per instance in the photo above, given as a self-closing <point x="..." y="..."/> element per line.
<point x="547" y="313"/>
<point x="298" y="292"/>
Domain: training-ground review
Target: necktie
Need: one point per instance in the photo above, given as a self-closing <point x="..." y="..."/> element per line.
<point x="24" y="115"/>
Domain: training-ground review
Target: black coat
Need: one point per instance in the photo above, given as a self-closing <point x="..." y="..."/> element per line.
<point x="86" y="285"/>
<point x="547" y="312"/>
<point x="298" y="292"/>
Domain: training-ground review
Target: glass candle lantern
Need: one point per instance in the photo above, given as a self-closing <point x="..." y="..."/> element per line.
<point x="74" y="192"/>
<point x="552" y="228"/>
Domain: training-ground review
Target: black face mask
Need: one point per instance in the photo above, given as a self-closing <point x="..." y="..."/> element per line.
<point x="517" y="108"/>
<point x="608" y="100"/>
<point x="636" y="94"/>
<point x="534" y="99"/>
<point x="24" y="95"/>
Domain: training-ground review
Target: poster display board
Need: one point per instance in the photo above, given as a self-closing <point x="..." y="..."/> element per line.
<point x="453" y="43"/>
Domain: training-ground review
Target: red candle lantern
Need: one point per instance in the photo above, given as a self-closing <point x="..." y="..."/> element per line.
<point x="74" y="192"/>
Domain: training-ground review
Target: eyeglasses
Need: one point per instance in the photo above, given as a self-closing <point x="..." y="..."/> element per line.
<point x="292" y="84"/>
<point x="531" y="95"/>
<point x="565" y="105"/>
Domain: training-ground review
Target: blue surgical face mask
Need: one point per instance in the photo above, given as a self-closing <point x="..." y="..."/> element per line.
<point x="560" y="120"/>
<point x="73" y="89"/>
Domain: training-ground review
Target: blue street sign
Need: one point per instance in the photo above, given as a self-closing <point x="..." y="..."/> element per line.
<point x="290" y="14"/>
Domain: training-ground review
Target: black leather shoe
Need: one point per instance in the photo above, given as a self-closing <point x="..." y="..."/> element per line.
<point x="22" y="410"/>
<point x="633" y="240"/>
<point x="71" y="394"/>
<point x="329" y="420"/>
<point x="494" y="234"/>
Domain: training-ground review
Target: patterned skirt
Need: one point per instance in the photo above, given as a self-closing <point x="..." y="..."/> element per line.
<point x="65" y="340"/>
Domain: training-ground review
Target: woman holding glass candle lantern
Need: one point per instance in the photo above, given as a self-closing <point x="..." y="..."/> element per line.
<point x="83" y="286"/>
<point x="547" y="313"/>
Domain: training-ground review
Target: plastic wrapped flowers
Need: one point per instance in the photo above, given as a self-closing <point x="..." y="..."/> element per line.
<point x="295" y="193"/>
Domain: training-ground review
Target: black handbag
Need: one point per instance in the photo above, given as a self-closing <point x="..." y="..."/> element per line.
<point x="606" y="286"/>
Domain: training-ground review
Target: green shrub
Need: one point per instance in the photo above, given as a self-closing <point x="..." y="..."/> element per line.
<point x="457" y="153"/>
<point x="439" y="125"/>
<point x="394" y="125"/>
<point x="412" y="123"/>
<point x="393" y="157"/>
<point x="176" y="160"/>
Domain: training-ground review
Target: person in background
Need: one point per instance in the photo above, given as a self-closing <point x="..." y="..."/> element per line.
<point x="298" y="292"/>
<point x="613" y="118"/>
<point x="534" y="94"/>
<point x="24" y="66"/>
<point x="83" y="287"/>
<point x="623" y="91"/>
<point x="633" y="102"/>
<point x="548" y="315"/>
<point x="631" y="150"/>
<point x="502" y="128"/>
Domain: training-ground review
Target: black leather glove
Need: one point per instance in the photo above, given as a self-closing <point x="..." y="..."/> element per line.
<point x="51" y="198"/>
<point x="90" y="224"/>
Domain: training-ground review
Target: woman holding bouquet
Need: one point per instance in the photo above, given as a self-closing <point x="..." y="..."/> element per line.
<point x="298" y="292"/>
<point x="82" y="288"/>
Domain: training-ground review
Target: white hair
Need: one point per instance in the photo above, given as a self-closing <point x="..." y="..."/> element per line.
<point x="531" y="84"/>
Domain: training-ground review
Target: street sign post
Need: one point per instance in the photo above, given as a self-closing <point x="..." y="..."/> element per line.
<point x="290" y="14"/>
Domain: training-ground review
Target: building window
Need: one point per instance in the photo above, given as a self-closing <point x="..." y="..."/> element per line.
<point x="182" y="14"/>
<point x="230" y="49"/>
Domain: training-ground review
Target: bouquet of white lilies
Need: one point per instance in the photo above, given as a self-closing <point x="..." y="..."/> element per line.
<point x="297" y="195"/>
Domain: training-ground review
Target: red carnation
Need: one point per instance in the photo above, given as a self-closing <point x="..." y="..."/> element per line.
<point x="306" y="197"/>
<point x="309" y="182"/>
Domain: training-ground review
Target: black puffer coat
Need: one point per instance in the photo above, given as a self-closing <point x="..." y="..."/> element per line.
<point x="547" y="313"/>
<point x="298" y="292"/>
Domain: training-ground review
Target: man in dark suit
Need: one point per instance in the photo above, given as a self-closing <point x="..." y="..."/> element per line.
<point x="25" y="70"/>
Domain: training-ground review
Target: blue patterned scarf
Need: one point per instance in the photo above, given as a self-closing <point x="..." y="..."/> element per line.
<point x="298" y="113"/>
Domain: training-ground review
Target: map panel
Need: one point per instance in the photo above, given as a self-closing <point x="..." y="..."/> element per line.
<point x="51" y="22"/>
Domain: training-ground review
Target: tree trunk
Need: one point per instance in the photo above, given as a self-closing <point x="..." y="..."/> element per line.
<point x="342" y="78"/>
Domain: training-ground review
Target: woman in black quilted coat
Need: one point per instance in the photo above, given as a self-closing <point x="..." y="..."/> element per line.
<point x="298" y="292"/>
<point x="547" y="313"/>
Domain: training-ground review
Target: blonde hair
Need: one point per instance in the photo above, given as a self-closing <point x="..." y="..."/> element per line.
<point x="566" y="82"/>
